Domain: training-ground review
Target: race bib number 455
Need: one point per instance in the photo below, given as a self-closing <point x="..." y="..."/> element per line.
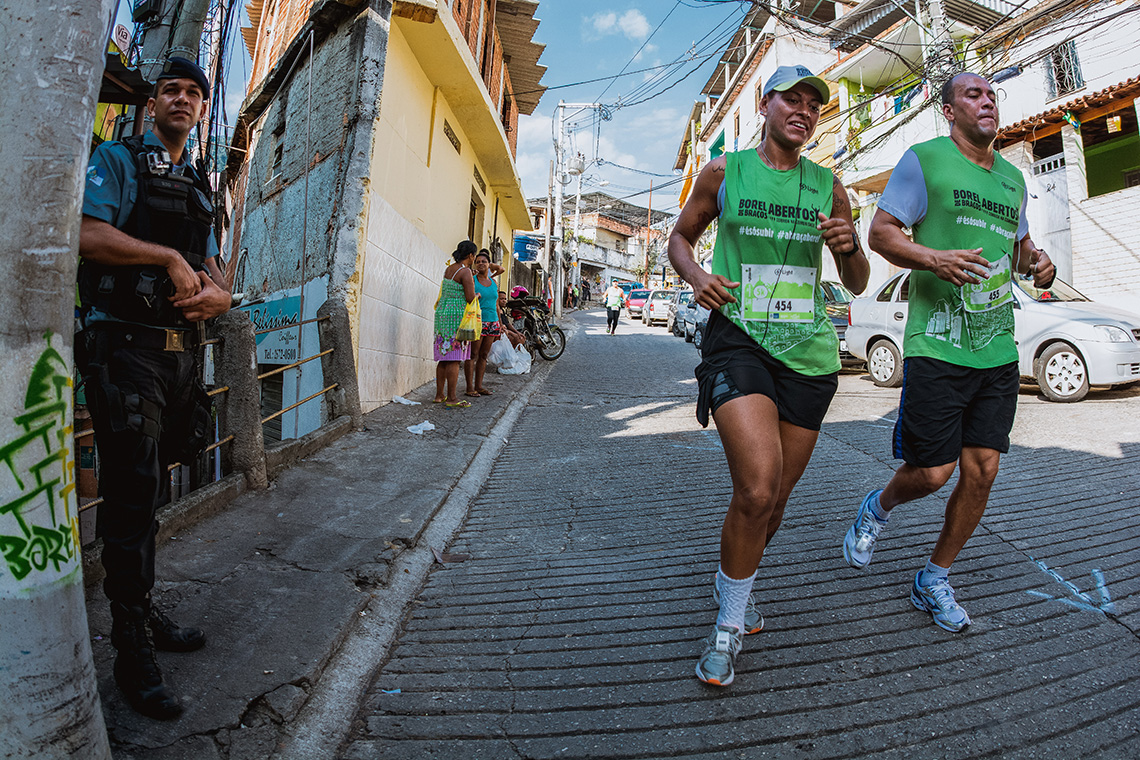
<point x="990" y="293"/>
<point x="777" y="293"/>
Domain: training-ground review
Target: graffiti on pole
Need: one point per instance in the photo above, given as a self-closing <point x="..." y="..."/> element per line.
<point x="40" y="468"/>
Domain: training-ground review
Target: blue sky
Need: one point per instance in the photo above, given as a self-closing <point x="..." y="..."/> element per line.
<point x="589" y="39"/>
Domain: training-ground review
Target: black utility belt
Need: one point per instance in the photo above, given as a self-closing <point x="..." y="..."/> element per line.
<point x="151" y="338"/>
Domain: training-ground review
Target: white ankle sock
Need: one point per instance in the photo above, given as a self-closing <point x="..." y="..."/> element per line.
<point x="733" y="599"/>
<point x="877" y="510"/>
<point x="932" y="572"/>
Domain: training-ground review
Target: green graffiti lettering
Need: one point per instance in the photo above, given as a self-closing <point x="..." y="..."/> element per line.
<point x="39" y="458"/>
<point x="37" y="552"/>
<point x="53" y="542"/>
<point x="12" y="547"/>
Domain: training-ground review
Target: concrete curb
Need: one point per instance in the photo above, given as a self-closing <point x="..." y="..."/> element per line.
<point x="325" y="719"/>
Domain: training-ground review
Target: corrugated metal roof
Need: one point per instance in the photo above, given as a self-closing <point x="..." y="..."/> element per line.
<point x="872" y="17"/>
<point x="249" y="33"/>
<point x="516" y="24"/>
<point x="1029" y="21"/>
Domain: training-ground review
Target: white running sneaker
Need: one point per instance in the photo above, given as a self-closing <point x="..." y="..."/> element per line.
<point x="717" y="664"/>
<point x="859" y="543"/>
<point x="938" y="599"/>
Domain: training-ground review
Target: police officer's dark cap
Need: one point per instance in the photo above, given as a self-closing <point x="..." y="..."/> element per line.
<point x="176" y="67"/>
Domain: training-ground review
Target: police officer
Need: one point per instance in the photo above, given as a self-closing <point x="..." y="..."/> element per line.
<point x="147" y="280"/>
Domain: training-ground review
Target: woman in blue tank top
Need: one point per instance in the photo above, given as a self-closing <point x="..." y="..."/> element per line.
<point x="488" y="292"/>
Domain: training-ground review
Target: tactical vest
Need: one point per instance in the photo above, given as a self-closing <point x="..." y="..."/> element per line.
<point x="171" y="210"/>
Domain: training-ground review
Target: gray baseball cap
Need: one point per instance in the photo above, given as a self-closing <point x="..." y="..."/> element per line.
<point x="787" y="77"/>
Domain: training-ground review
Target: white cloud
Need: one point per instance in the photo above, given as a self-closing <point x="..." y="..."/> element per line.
<point x="632" y="24"/>
<point x="604" y="23"/>
<point x="535" y="152"/>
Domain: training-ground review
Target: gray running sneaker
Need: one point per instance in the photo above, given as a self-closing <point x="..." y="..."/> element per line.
<point x="859" y="543"/>
<point x="938" y="599"/>
<point x="753" y="620"/>
<point x="717" y="664"/>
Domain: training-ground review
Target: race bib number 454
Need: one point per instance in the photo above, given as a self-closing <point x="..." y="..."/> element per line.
<point x="778" y="293"/>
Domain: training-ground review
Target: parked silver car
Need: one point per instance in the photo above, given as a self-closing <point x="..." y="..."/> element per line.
<point x="1065" y="341"/>
<point x="693" y="319"/>
<point x="656" y="308"/>
<point x="675" y="319"/>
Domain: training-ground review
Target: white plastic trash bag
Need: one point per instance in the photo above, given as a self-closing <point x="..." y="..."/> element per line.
<point x="519" y="362"/>
<point x="421" y="428"/>
<point x="501" y="352"/>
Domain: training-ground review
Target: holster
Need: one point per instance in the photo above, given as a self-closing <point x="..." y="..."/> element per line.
<point x="192" y="430"/>
<point x="120" y="406"/>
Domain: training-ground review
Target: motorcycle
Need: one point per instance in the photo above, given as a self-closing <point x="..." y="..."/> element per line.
<point x="531" y="317"/>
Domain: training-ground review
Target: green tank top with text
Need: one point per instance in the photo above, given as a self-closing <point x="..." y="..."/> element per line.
<point x="967" y="207"/>
<point x="768" y="242"/>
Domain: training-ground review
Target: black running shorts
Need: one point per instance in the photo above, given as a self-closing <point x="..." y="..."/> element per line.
<point x="733" y="365"/>
<point x="945" y="407"/>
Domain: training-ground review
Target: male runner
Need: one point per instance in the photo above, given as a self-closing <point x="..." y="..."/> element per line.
<point x="966" y="207"/>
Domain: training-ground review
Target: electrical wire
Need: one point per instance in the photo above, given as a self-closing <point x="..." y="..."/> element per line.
<point x="1090" y="25"/>
<point x="701" y="50"/>
<point x="633" y="58"/>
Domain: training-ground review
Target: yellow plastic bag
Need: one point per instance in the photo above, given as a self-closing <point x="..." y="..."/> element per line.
<point x="471" y="327"/>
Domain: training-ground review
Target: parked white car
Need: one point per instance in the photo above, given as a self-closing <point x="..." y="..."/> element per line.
<point x="1065" y="341"/>
<point x="656" y="308"/>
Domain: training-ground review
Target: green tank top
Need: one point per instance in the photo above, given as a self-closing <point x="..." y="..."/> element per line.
<point x="767" y="240"/>
<point x="966" y="207"/>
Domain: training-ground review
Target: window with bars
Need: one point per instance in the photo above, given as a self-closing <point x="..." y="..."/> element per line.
<point x="1063" y="70"/>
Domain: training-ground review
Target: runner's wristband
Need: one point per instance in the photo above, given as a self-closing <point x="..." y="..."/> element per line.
<point x="853" y="251"/>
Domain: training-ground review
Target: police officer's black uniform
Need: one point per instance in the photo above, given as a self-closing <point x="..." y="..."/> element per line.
<point x="138" y="357"/>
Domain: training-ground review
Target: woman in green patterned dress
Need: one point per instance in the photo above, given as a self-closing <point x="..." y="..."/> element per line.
<point x="456" y="290"/>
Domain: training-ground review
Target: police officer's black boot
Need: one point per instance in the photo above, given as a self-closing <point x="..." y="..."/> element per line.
<point x="136" y="670"/>
<point x="169" y="637"/>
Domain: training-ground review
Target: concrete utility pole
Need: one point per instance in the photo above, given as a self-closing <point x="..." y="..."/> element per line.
<point x="51" y="702"/>
<point x="941" y="64"/>
<point x="559" y="161"/>
<point x="560" y="170"/>
<point x="179" y="35"/>
<point x="648" y="230"/>
<point x="546" y="222"/>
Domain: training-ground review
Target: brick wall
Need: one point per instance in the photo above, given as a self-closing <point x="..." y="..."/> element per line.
<point x="510" y="115"/>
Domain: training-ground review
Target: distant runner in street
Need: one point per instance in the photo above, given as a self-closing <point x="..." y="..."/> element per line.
<point x="966" y="207"/>
<point x="770" y="354"/>
<point x="613" y="298"/>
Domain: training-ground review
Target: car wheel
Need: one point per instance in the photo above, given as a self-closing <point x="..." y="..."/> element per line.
<point x="1062" y="374"/>
<point x="885" y="364"/>
<point x="698" y="337"/>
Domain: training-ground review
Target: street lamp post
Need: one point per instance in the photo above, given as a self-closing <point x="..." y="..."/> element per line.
<point x="561" y="171"/>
